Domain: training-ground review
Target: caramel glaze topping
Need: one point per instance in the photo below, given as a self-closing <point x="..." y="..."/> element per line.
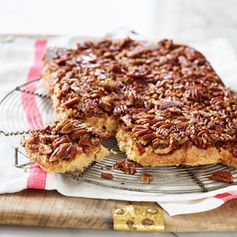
<point x="64" y="139"/>
<point x="166" y="95"/>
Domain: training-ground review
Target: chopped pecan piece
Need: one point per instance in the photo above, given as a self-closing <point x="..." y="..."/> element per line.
<point x="146" y="178"/>
<point x="141" y="148"/>
<point x="60" y="140"/>
<point x="127" y="166"/>
<point x="84" y="140"/>
<point x="108" y="176"/>
<point x="126" y="119"/>
<point x="222" y="176"/>
<point x="78" y="132"/>
<point x="70" y="103"/>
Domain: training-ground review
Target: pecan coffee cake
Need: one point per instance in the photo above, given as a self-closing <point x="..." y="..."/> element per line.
<point x="66" y="145"/>
<point x="163" y="101"/>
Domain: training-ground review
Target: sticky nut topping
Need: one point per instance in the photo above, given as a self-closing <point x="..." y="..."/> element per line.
<point x="166" y="95"/>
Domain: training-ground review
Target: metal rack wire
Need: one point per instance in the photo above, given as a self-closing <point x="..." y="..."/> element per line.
<point x="182" y="179"/>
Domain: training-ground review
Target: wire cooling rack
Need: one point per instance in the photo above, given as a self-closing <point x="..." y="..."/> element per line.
<point x="14" y="124"/>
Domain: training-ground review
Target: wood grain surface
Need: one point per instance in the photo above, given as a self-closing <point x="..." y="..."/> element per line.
<point x="51" y="209"/>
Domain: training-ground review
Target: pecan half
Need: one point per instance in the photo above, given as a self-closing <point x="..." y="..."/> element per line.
<point x="108" y="176"/>
<point x="63" y="151"/>
<point x="66" y="126"/>
<point x="84" y="140"/>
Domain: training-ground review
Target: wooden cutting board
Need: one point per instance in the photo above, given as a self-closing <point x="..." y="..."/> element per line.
<point x="51" y="209"/>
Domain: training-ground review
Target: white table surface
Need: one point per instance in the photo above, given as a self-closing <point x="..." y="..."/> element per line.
<point x="183" y="20"/>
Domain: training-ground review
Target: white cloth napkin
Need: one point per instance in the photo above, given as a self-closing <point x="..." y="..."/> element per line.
<point x="20" y="61"/>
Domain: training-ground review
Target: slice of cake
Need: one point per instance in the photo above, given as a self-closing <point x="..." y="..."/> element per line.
<point x="66" y="146"/>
